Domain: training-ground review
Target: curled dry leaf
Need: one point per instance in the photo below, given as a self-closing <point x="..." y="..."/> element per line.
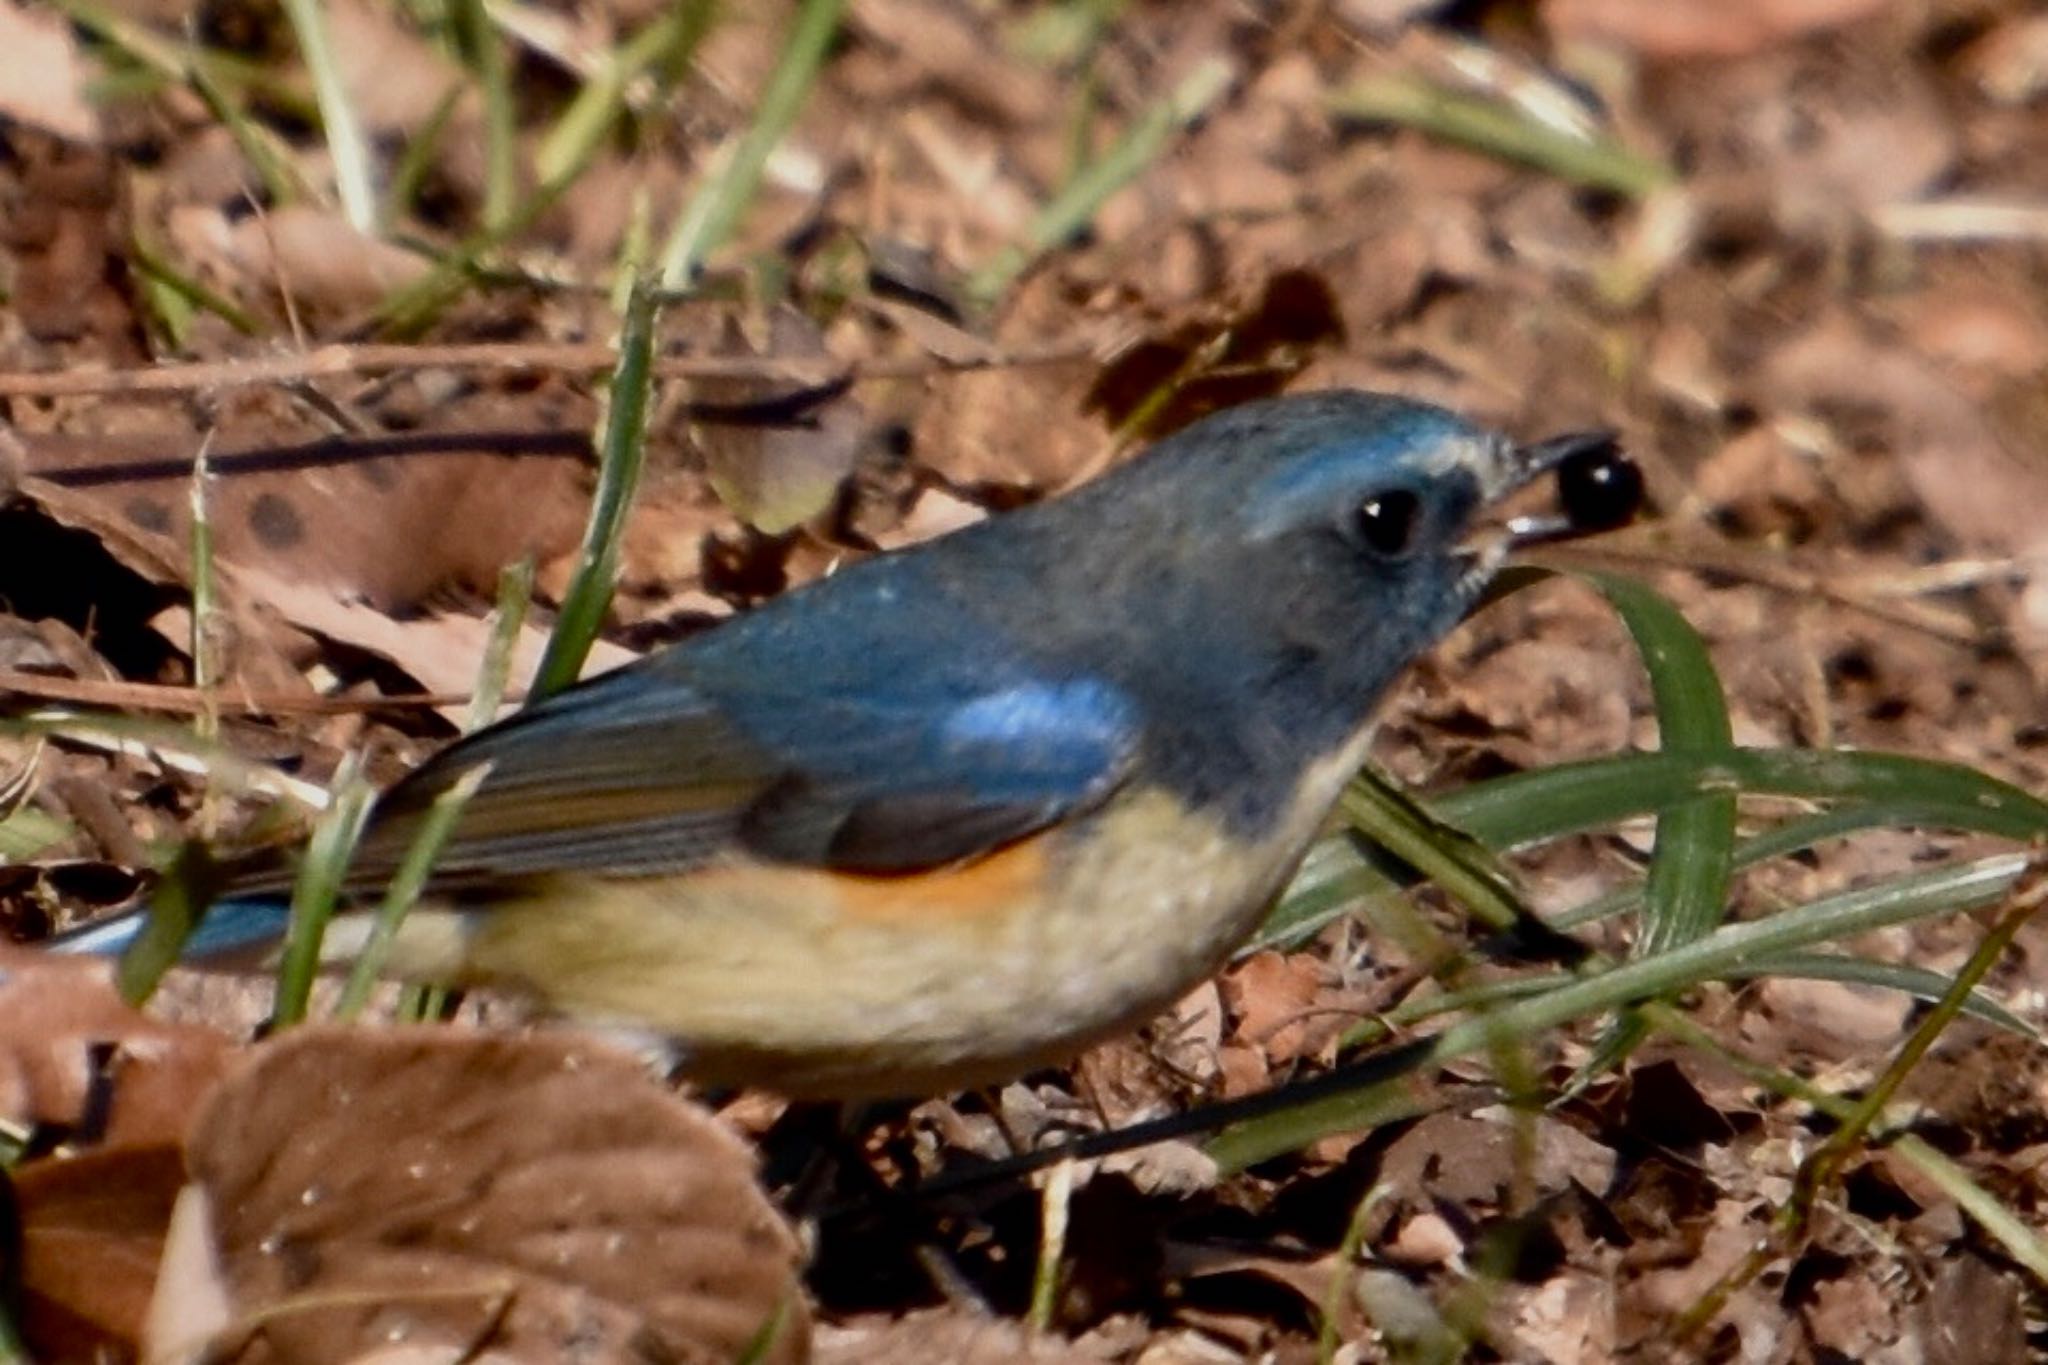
<point x="75" y="1056"/>
<point x="64" y="1032"/>
<point x="438" y="650"/>
<point x="329" y="268"/>
<point x="76" y="558"/>
<point x="776" y="472"/>
<point x="531" y="1199"/>
<point x="1274" y="996"/>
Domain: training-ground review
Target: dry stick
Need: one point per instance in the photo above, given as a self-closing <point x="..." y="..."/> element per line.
<point x="133" y="696"/>
<point x="381" y="359"/>
<point x="1949" y="627"/>
<point x="814" y="382"/>
<point x="319" y="453"/>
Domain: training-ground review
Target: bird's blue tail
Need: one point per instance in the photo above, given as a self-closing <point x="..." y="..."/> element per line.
<point x="229" y="928"/>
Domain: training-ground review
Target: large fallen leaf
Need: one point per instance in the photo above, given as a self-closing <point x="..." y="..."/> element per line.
<point x="441" y="651"/>
<point x="530" y="1199"/>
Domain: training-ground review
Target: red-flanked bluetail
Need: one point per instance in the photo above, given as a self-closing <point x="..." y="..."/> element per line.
<point x="958" y="811"/>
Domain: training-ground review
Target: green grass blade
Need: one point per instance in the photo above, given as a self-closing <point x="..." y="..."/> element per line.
<point x="1335" y="879"/>
<point x="563" y="155"/>
<point x="622" y="446"/>
<point x="319" y="882"/>
<point x="1691" y="863"/>
<point x="418" y="158"/>
<point x="1463" y="867"/>
<point x="665" y="43"/>
<point x="354" y="182"/>
<point x="177" y="901"/>
<point x="1341" y="1102"/>
<point x="1499" y="130"/>
<point x="1793" y="836"/>
<point x="268" y="157"/>
<point x="1918" y="982"/>
<point x="28" y="831"/>
<point x="716" y="208"/>
<point x="403" y="891"/>
<point x="515" y="595"/>
<point x="165" y="279"/>
<point x="484" y="51"/>
<point x="1692" y="859"/>
<point x="169" y="743"/>
<point x="171" y="60"/>
<point x="1071" y="209"/>
<point x="1529" y="807"/>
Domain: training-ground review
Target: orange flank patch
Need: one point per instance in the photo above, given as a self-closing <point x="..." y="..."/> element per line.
<point x="980" y="890"/>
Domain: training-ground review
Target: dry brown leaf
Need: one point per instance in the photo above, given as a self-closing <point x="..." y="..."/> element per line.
<point x="1982" y="333"/>
<point x="92" y="1229"/>
<point x="329" y="269"/>
<point x="1732" y="28"/>
<point x="55" y="1011"/>
<point x="1569" y="1317"/>
<point x="393" y="530"/>
<point x="1474" y="1160"/>
<point x="776" y="473"/>
<point x="62" y="235"/>
<point x="1974" y="1313"/>
<point x="1271" y="994"/>
<point x="952" y="1335"/>
<point x="1014" y="428"/>
<point x="42" y="82"/>
<point x="441" y="652"/>
<point x="118" y="580"/>
<point x="1220" y="354"/>
<point x="1985" y="485"/>
<point x="1835" y="1020"/>
<point x="956" y="49"/>
<point x="1761" y="489"/>
<point x="541" y="1196"/>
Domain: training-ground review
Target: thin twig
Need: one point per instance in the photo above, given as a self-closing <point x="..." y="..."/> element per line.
<point x="1790" y="579"/>
<point x="592" y="358"/>
<point x="185" y="701"/>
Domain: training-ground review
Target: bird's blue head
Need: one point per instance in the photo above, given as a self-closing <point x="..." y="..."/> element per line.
<point x="1335" y="534"/>
<point x="1283" y="561"/>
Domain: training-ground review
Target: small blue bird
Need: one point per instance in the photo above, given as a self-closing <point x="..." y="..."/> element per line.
<point x="958" y="811"/>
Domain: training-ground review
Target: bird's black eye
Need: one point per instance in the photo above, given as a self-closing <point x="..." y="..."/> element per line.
<point x="1388" y="522"/>
<point x="1599" y="488"/>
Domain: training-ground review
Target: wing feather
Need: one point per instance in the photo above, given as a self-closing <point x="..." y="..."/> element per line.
<point x="664" y="767"/>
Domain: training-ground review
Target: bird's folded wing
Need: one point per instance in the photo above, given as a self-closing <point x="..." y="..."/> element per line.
<point x="652" y="770"/>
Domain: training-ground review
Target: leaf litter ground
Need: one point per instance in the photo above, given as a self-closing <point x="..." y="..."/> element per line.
<point x="1819" y="318"/>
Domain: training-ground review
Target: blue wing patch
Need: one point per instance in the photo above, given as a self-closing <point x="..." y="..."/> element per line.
<point x="955" y="781"/>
